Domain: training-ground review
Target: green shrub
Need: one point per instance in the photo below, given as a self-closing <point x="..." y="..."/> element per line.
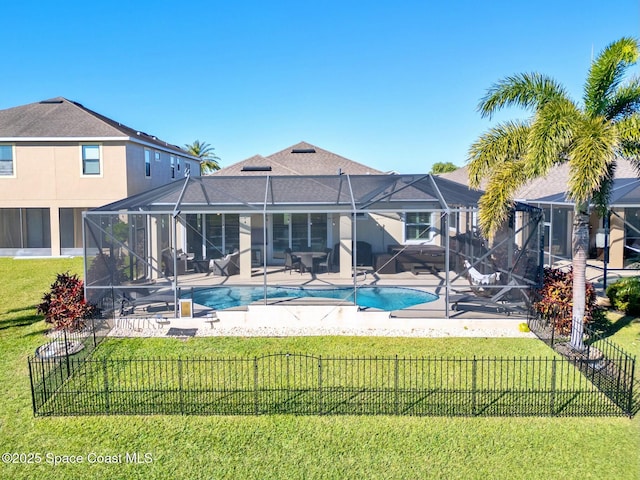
<point x="624" y="295"/>
<point x="554" y="300"/>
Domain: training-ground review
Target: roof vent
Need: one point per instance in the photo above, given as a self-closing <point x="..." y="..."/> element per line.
<point x="50" y="102"/>
<point x="303" y="150"/>
<point x="256" y="168"/>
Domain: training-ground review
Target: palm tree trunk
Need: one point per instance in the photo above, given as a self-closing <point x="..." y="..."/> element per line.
<point x="580" y="248"/>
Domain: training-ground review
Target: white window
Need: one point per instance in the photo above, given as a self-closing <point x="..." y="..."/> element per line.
<point x="91" y="160"/>
<point x="418" y="227"/>
<point x="6" y="161"/>
<point x="172" y="160"/>
<point x="157" y="156"/>
<point x="147" y="163"/>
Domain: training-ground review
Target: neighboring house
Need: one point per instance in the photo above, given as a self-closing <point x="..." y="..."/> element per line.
<point x="300" y="159"/>
<point x="549" y="193"/>
<point x="58" y="159"/>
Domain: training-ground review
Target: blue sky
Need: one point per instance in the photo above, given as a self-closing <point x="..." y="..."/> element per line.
<point x="394" y="85"/>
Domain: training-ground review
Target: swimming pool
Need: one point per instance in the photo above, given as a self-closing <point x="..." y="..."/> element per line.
<point x="382" y="298"/>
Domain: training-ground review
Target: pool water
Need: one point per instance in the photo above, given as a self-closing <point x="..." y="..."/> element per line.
<point x="382" y="298"/>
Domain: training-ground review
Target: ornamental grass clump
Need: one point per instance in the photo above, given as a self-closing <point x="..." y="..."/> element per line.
<point x="64" y="306"/>
<point x="555" y="300"/>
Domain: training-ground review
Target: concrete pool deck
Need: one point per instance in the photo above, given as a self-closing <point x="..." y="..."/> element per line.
<point x="298" y="319"/>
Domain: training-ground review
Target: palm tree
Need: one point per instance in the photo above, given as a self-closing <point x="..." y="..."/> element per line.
<point x="590" y="137"/>
<point x="208" y="159"/>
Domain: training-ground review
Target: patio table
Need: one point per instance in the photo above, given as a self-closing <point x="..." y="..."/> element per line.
<point x="308" y="260"/>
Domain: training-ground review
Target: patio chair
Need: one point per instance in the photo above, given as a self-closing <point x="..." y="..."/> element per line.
<point x="479" y="281"/>
<point x="226" y="266"/>
<point x="290" y="263"/>
<point x="152" y="300"/>
<point x="167" y="262"/>
<point x="486" y="290"/>
<point x="326" y="263"/>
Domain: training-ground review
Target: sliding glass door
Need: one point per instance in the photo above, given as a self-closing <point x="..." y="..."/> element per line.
<point x="299" y="232"/>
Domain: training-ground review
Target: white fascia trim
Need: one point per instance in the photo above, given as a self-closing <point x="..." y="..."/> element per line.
<point x="99" y="139"/>
<point x="62" y="139"/>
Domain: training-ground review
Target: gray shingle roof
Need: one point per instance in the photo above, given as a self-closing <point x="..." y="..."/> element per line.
<point x="62" y="118"/>
<point x="300" y="159"/>
<point x="553" y="186"/>
<point x="312" y="193"/>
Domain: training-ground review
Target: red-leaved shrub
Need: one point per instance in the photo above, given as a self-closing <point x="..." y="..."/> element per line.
<point x="555" y="300"/>
<point x="65" y="306"/>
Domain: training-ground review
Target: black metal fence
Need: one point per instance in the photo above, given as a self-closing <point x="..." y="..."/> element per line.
<point x="310" y="385"/>
<point x="57" y="360"/>
<point x="607" y="366"/>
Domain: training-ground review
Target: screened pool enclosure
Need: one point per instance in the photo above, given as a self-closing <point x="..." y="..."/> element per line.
<point x="145" y="253"/>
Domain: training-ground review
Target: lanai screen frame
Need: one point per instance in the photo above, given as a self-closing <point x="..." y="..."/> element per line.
<point x="350" y="195"/>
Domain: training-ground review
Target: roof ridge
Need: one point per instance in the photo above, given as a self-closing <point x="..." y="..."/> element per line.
<point x="124" y="129"/>
<point x="88" y="111"/>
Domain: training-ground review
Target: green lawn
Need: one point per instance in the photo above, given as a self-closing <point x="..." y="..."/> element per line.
<point x="292" y="447"/>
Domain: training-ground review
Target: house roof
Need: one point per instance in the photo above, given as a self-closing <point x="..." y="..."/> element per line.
<point x="552" y="188"/>
<point x="59" y="118"/>
<point x="307" y="193"/>
<point x="300" y="159"/>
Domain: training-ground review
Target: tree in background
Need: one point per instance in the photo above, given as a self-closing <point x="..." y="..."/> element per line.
<point x="442" y="167"/>
<point x="590" y="137"/>
<point x="208" y="159"/>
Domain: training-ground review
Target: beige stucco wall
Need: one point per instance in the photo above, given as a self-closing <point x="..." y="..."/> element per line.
<point x="51" y="176"/>
<point x="160" y="170"/>
<point x="381" y="231"/>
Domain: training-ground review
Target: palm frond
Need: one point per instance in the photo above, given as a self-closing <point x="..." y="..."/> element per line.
<point x="628" y="130"/>
<point x="593" y="151"/>
<point x="550" y="136"/>
<point x="602" y="196"/>
<point x="497" y="201"/>
<point x="606" y="73"/>
<point x="501" y="143"/>
<point x="625" y="101"/>
<point x="208" y="166"/>
<point x="527" y="90"/>
<point x="202" y="150"/>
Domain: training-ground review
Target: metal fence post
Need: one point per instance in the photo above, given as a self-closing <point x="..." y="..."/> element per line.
<point x="255" y="386"/>
<point x="106" y="385"/>
<point x="395" y="387"/>
<point x="93" y="331"/>
<point x="552" y="399"/>
<point x="631" y="380"/>
<point x="66" y="352"/>
<point x="473" y="386"/>
<point x="33" y="391"/>
<point x="180" y="389"/>
<point x="44" y="383"/>
<point x="320" y="385"/>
